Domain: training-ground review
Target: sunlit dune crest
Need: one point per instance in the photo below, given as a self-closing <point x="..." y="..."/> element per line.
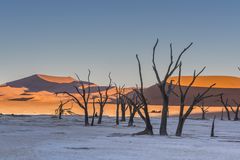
<point x="56" y="79"/>
<point x="36" y="83"/>
<point x="206" y="81"/>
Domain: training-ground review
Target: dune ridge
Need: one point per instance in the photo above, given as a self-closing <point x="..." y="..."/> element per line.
<point x="56" y="79"/>
<point x="206" y="81"/>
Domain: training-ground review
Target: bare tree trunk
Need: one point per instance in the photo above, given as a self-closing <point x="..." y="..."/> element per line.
<point x="149" y="127"/>
<point x="180" y="127"/>
<point x="225" y="105"/>
<point x="60" y="115"/>
<point x="132" y="115"/>
<point x="236" y="114"/>
<point x="100" y="115"/>
<point x="123" y="118"/>
<point x="117" y="112"/>
<point x="163" y="125"/>
<point x="86" y="117"/>
<point x="222" y="114"/>
<point x="94" y="112"/>
<point x="123" y="109"/>
<point x="203" y="114"/>
<point x="213" y="127"/>
<point x="228" y="113"/>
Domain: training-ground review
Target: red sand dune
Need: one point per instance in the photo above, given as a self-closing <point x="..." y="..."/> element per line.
<point x="229" y="86"/>
<point x="37" y="83"/>
<point x="205" y="81"/>
<point x="41" y="88"/>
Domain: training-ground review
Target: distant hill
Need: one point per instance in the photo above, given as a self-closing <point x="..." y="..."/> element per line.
<point x="42" y="88"/>
<point x="229" y="86"/>
<point x="39" y="82"/>
<point x="205" y="81"/>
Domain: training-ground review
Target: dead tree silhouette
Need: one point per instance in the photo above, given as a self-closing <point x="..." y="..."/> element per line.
<point x="94" y="110"/>
<point x="60" y="110"/>
<point x="204" y="110"/>
<point x="134" y="106"/>
<point x="196" y="99"/>
<point x="124" y="108"/>
<point x="143" y="108"/>
<point x="84" y="94"/>
<point x="236" y="111"/>
<point x="222" y="114"/>
<point x="225" y="105"/>
<point x="103" y="99"/>
<point x="164" y="87"/>
<point x="119" y="93"/>
<point x="213" y="127"/>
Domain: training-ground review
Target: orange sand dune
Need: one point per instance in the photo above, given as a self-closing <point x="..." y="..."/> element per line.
<point x="7" y="91"/>
<point x="205" y="81"/>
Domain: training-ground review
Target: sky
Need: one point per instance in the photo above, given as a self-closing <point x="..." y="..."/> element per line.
<point x="63" y="37"/>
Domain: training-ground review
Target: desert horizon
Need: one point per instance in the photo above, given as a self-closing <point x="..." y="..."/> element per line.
<point x="119" y="80"/>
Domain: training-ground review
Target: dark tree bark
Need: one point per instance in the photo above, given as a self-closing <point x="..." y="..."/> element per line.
<point x="166" y="89"/>
<point x="124" y="108"/>
<point x="196" y="100"/>
<point x="134" y="105"/>
<point x="103" y="99"/>
<point x="225" y="105"/>
<point x="131" y="118"/>
<point x="213" y="127"/>
<point x="119" y="96"/>
<point x="236" y="111"/>
<point x="94" y="111"/>
<point x="222" y="114"/>
<point x="117" y="111"/>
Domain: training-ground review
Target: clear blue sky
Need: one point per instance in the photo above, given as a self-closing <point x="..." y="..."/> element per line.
<point x="61" y="37"/>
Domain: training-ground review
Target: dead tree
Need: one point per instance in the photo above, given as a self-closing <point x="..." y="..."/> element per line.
<point x="119" y="93"/>
<point x="225" y="105"/>
<point x="164" y="87"/>
<point x="196" y="99"/>
<point x="94" y="111"/>
<point x="236" y="111"/>
<point x="84" y="95"/>
<point x="103" y="99"/>
<point x="143" y="108"/>
<point x="222" y="114"/>
<point x="213" y="127"/>
<point x="117" y="111"/>
<point x="133" y="105"/>
<point x="60" y="110"/>
<point x="124" y="108"/>
<point x="204" y="110"/>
